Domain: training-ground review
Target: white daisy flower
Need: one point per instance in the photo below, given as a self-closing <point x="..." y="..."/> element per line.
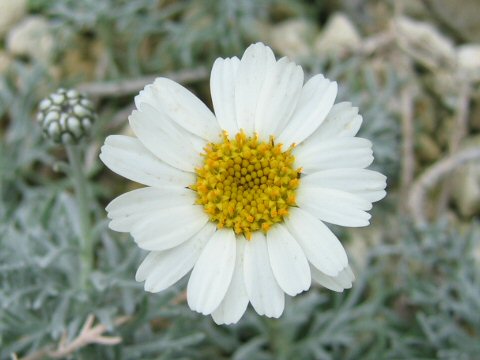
<point x="242" y="196"/>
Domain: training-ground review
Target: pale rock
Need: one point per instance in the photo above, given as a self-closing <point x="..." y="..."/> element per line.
<point x="466" y="184"/>
<point x="11" y="11"/>
<point x="468" y="58"/>
<point x="339" y="36"/>
<point x="292" y="38"/>
<point x="33" y="38"/>
<point x="424" y="43"/>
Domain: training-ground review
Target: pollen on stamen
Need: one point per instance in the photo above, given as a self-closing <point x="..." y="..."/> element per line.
<point x="246" y="184"/>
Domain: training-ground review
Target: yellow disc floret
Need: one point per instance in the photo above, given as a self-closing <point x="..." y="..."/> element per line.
<point x="246" y="184"/>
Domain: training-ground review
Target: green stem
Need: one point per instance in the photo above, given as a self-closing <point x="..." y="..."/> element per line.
<point x="82" y="197"/>
<point x="277" y="340"/>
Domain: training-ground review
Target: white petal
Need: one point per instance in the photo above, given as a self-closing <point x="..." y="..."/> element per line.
<point x="128" y="157"/>
<point x="278" y="97"/>
<point x="147" y="266"/>
<point x="161" y="269"/>
<point x="222" y="87"/>
<point x="289" y="264"/>
<point x="133" y="206"/>
<point x="148" y="199"/>
<point x="166" y="228"/>
<point x="165" y="264"/>
<point x="316" y="100"/>
<point x="345" y="278"/>
<point x="335" y="206"/>
<point x="235" y="302"/>
<point x="320" y="245"/>
<point x="368" y="184"/>
<point x="165" y="139"/>
<point x="180" y="105"/>
<point x="333" y="154"/>
<point x="325" y="280"/>
<point x="212" y="273"/>
<point x="342" y="281"/>
<point x="342" y="121"/>
<point x="266" y="296"/>
<point x="253" y="67"/>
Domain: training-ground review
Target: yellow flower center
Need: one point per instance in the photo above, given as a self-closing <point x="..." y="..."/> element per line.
<point x="246" y="184"/>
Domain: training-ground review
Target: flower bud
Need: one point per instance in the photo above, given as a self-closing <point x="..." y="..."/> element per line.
<point x="66" y="116"/>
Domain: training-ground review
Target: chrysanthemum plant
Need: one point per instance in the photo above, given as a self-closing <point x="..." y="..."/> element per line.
<point x="240" y="197"/>
<point x="66" y="117"/>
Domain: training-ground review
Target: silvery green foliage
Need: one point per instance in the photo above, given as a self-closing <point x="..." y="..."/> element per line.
<point x="439" y="278"/>
<point x="40" y="298"/>
<point x="21" y="144"/>
<point x="178" y="31"/>
<point x="66" y="116"/>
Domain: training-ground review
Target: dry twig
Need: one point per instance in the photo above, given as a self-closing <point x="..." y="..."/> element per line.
<point x="126" y="87"/>
<point x="459" y="131"/>
<point x="88" y="335"/>
<point x="432" y="176"/>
